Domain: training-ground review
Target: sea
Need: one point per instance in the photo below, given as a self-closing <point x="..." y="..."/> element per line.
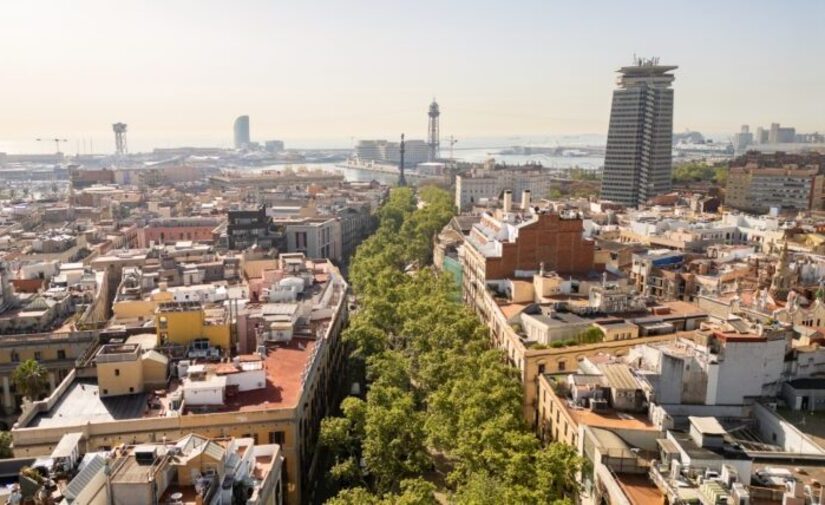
<point x="471" y="149"/>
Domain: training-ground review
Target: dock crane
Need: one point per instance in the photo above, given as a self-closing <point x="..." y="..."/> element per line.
<point x="452" y="141"/>
<point x="56" y="142"/>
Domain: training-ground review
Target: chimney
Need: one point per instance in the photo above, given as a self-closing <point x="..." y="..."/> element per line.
<point x="508" y="200"/>
<point x="525" y="199"/>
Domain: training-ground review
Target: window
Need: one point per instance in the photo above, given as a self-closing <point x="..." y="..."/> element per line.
<point x="117" y="372"/>
<point x="15" y="357"/>
<point x="562" y="366"/>
<point x="105" y="391"/>
<point x="131" y="390"/>
<point x="38" y="356"/>
<point x="61" y="354"/>
<point x="276" y="437"/>
<point x="301" y="240"/>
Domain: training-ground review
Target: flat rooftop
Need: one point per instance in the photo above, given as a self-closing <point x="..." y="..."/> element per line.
<point x="610" y="419"/>
<point x="640" y="489"/>
<point x="774" y="474"/>
<point x="283" y="365"/>
<point x="726" y="452"/>
<point x="133" y="472"/>
<point x="682" y="308"/>
<point x="81" y="403"/>
<point x="809" y="423"/>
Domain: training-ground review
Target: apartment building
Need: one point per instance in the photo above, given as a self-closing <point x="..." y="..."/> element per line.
<point x="316" y="237"/>
<point x="52" y="326"/>
<point x="487" y="186"/>
<point x="530" y="277"/>
<point x="250" y="227"/>
<point x="243" y="180"/>
<point x="174" y="229"/>
<point x="758" y="182"/>
<point x="193" y="470"/>
<point x="610" y="397"/>
<point x="277" y="393"/>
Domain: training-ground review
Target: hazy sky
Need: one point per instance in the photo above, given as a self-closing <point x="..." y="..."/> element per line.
<point x="180" y="71"/>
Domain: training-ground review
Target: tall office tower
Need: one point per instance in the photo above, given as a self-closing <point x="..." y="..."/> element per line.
<point x="761" y="136"/>
<point x="241" y="132"/>
<point x="742" y="140"/>
<point x="433" y="136"/>
<point x="638" y="159"/>
<point x="773" y="136"/>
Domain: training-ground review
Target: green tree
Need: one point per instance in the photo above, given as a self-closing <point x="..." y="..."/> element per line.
<point x="415" y="492"/>
<point x="5" y="445"/>
<point x="366" y="338"/>
<point x="696" y="172"/>
<point x="435" y="386"/>
<point x="557" y="472"/>
<point x="591" y="335"/>
<point x="354" y="496"/>
<point x="31" y="379"/>
<point x="720" y="175"/>
<point x="394" y="440"/>
<point x="335" y="435"/>
<point x="342" y="436"/>
<point x="347" y="471"/>
<point x="481" y="489"/>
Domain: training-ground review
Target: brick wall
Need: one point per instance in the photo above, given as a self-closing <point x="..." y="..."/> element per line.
<point x="556" y="242"/>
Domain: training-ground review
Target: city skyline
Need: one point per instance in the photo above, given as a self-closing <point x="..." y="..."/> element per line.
<point x="539" y="68"/>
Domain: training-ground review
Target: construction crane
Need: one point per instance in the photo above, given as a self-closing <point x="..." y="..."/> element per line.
<point x="452" y="141"/>
<point x="56" y="142"/>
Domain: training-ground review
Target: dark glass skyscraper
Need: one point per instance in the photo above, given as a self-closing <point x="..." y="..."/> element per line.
<point x="241" y="131"/>
<point x="638" y="160"/>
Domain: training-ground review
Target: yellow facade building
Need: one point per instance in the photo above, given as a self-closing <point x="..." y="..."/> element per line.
<point x="124" y="369"/>
<point x="181" y="323"/>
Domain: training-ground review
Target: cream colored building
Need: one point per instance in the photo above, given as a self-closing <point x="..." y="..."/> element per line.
<point x="300" y="388"/>
<point x="195" y="470"/>
<point x="533" y="361"/>
<point x="58" y="352"/>
<point x="559" y="422"/>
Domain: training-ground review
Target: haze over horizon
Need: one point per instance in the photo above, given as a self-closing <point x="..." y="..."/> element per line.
<point x="177" y="73"/>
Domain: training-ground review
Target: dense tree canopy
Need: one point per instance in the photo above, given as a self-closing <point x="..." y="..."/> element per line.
<point x="436" y="390"/>
<point x="697" y="172"/>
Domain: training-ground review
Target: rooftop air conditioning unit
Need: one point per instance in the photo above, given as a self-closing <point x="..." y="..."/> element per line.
<point x="598" y="405"/>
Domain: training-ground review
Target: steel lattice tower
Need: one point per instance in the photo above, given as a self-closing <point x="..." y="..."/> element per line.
<point x="401" y="180"/>
<point x="120" y="138"/>
<point x="433" y="135"/>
